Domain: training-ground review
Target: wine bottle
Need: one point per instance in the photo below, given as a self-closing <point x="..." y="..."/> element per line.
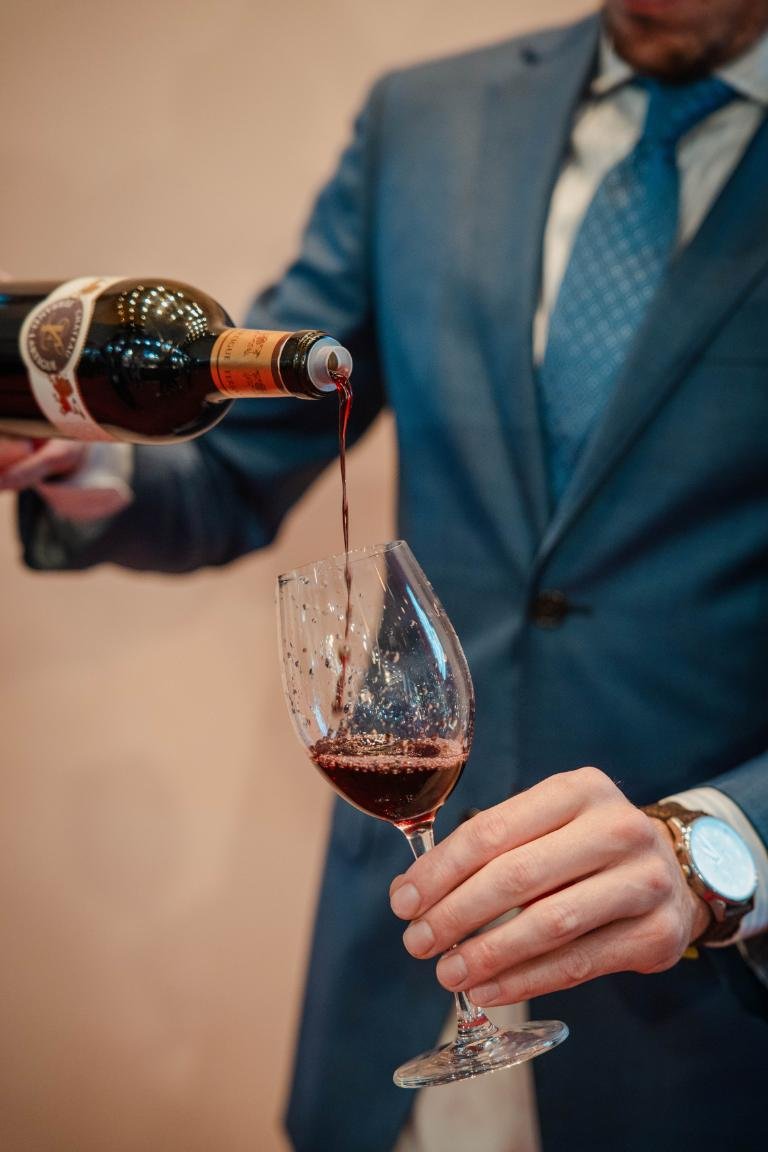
<point x="148" y="361"/>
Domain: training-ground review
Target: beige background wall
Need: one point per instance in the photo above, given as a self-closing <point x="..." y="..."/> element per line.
<point x="160" y="830"/>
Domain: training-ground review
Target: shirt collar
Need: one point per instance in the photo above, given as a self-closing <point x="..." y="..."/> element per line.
<point x="612" y="71"/>
<point x="748" y="74"/>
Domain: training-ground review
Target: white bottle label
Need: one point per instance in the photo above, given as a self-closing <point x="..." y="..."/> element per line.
<point x="51" y="342"/>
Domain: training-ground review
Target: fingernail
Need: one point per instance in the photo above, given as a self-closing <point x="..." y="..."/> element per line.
<point x="484" y="993"/>
<point x="405" y="901"/>
<point x="452" y="970"/>
<point x="418" y="938"/>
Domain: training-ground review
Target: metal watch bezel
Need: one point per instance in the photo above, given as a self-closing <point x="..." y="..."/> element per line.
<point x="723" y="906"/>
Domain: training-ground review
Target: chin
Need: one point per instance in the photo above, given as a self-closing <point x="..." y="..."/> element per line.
<point x="666" y="56"/>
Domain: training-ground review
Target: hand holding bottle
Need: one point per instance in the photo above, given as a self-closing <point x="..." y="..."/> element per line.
<point x="27" y="463"/>
<point x="13" y="450"/>
<point x="78" y="482"/>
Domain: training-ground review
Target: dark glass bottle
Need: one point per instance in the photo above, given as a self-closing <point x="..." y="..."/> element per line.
<point x="147" y="361"/>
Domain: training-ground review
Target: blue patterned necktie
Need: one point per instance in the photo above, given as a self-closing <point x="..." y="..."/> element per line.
<point x="619" y="256"/>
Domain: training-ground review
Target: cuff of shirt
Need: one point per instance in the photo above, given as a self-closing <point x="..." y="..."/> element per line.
<point x="716" y="803"/>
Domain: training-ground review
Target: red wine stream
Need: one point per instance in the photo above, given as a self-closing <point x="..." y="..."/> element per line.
<point x="344" y="390"/>
<point x="404" y="781"/>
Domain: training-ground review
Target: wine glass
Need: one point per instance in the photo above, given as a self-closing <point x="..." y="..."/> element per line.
<point x="380" y="694"/>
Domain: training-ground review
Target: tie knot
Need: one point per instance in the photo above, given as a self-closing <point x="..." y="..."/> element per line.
<point x="673" y="109"/>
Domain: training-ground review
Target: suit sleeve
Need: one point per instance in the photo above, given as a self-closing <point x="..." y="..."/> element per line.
<point x="206" y="502"/>
<point x="747" y="786"/>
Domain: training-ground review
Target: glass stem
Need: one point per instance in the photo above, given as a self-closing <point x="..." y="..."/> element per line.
<point x="473" y="1024"/>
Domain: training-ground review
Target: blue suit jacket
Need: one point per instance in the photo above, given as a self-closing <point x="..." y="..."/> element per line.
<point x="423" y="256"/>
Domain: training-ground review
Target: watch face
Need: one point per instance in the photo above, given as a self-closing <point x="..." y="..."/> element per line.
<point x="722" y="859"/>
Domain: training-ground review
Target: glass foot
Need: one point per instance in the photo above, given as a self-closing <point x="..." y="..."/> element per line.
<point x="483" y="1049"/>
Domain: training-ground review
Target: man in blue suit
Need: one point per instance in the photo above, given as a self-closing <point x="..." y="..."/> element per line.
<point x="550" y="258"/>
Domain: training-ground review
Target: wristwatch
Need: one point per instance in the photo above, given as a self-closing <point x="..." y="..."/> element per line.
<point x="716" y="863"/>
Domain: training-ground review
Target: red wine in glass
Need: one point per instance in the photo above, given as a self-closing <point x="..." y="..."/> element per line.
<point x="402" y="781"/>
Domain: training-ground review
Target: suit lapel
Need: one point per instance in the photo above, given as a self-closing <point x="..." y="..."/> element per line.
<point x="704" y="284"/>
<point x="526" y="120"/>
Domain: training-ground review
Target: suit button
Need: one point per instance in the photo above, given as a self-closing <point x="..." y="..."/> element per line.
<point x="549" y="608"/>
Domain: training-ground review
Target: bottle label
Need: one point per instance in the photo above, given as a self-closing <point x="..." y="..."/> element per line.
<point x="51" y="342"/>
<point x="246" y="362"/>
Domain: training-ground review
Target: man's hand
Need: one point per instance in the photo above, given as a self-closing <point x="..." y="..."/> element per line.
<point x="597" y="881"/>
<point x="27" y="463"/>
<point x="83" y="483"/>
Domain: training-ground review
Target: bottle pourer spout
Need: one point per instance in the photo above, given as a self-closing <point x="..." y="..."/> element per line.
<point x="327" y="358"/>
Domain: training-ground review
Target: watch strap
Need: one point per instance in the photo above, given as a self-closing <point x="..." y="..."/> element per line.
<point x="669" y="809"/>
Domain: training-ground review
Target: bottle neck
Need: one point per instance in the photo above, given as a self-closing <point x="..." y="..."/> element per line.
<point x="249" y="362"/>
<point x="245" y="362"/>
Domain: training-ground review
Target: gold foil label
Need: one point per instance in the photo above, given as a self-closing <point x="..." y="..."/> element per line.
<point x="51" y="342"/>
<point x="245" y="362"/>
